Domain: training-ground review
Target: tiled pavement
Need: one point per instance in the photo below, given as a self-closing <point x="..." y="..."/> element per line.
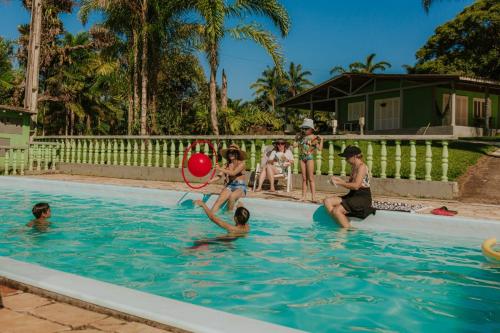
<point x="28" y="313"/>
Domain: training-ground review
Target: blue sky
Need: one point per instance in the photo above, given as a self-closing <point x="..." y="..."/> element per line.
<point x="324" y="33"/>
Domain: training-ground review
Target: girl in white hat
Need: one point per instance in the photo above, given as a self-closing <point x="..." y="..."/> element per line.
<point x="308" y="144"/>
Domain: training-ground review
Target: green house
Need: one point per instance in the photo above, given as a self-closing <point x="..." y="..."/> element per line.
<point x="14" y="130"/>
<point x="406" y="103"/>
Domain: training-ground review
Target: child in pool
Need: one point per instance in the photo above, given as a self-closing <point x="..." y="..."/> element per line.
<point x="42" y="213"/>
<point x="241" y="216"/>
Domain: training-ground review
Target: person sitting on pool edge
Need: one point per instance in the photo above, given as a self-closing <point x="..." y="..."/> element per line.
<point x="42" y="212"/>
<point x="358" y="202"/>
<point x="241" y="217"/>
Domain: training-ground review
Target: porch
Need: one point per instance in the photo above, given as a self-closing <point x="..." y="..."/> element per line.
<point x="404" y="104"/>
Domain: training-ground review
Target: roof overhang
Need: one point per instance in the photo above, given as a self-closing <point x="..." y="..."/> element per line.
<point x="321" y="96"/>
<point x="15" y="109"/>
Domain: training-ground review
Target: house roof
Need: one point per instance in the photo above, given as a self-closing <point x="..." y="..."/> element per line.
<point x="15" y="109"/>
<point x="349" y="84"/>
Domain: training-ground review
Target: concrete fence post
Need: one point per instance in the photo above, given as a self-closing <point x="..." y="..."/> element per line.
<point x="397" y="158"/>
<point x="331" y="154"/>
<point x="252" y="155"/>
<point x="444" y="162"/>
<point x="342" y="160"/>
<point x="369" y="156"/>
<point x="383" y="159"/>
<point x="428" y="160"/>
<point x="413" y="159"/>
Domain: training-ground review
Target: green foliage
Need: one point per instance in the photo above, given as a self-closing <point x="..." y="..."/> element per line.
<point x="467" y="45"/>
<point x="359" y="67"/>
<point x="7" y="74"/>
<point x="244" y="118"/>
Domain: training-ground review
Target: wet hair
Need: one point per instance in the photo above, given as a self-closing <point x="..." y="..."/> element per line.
<point x="241" y="215"/>
<point x="40" y="208"/>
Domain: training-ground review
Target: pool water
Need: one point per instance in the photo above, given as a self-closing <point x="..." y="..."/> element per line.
<point x="306" y="274"/>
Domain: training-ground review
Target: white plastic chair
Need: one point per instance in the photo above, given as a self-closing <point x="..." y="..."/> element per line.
<point x="286" y="175"/>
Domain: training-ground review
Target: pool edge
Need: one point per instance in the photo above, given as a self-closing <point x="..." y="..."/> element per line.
<point x="130" y="304"/>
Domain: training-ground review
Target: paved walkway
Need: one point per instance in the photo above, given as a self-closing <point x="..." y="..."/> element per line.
<point x="477" y="209"/>
<point x="29" y="313"/>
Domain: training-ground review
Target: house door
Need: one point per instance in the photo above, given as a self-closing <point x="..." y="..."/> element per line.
<point x="387" y="114"/>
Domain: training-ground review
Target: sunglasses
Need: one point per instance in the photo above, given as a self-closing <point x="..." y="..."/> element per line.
<point x="232" y="152"/>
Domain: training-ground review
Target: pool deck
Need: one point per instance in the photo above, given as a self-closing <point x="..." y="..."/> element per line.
<point x="25" y="312"/>
<point x="465" y="209"/>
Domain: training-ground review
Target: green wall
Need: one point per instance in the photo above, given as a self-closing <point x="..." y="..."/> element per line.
<point x="21" y="139"/>
<point x="421" y="106"/>
<point x="470" y="109"/>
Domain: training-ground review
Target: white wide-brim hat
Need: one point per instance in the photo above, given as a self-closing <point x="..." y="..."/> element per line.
<point x="307" y="123"/>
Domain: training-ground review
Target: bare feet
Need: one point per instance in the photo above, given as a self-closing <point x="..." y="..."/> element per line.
<point x="258" y="190"/>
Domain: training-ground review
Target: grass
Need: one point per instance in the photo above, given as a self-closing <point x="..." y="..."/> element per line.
<point x="461" y="155"/>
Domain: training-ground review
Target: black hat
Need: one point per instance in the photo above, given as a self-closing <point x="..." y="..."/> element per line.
<point x="350" y="151"/>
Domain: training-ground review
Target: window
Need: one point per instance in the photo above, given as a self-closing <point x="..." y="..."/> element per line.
<point x="461" y="109"/>
<point x="355" y="110"/>
<point x="387" y="114"/>
<point x="479" y="111"/>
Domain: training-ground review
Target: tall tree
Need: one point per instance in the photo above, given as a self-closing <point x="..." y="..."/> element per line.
<point x="269" y="86"/>
<point x="467" y="45"/>
<point x="215" y="14"/>
<point x="7" y="74"/>
<point x="369" y="66"/>
<point x="296" y="80"/>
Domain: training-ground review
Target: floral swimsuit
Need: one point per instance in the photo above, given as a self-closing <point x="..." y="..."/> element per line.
<point x="306" y="152"/>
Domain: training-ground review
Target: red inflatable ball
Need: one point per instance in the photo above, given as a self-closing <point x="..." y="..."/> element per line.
<point x="199" y="165"/>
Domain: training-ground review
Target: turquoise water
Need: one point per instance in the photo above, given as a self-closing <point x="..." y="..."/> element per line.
<point x="302" y="274"/>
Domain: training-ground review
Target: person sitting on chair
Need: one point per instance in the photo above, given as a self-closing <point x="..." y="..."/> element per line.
<point x="279" y="159"/>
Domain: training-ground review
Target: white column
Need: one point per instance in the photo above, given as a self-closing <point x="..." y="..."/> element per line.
<point x="453" y="108"/>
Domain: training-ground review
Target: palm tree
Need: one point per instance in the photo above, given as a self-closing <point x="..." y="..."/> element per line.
<point x="367" y="67"/>
<point x="296" y="80"/>
<point x="269" y="86"/>
<point x="213" y="28"/>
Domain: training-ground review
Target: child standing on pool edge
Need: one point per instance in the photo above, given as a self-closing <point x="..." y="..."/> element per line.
<point x="308" y="144"/>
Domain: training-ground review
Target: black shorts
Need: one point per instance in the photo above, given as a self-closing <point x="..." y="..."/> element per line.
<point x="358" y="203"/>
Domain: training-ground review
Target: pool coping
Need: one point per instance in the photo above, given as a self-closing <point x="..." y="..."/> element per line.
<point x="127" y="303"/>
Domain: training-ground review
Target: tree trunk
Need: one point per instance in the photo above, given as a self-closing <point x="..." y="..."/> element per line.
<point x="130" y="114"/>
<point x="71" y="123"/>
<point x="223" y="103"/>
<point x="213" y="101"/>
<point x="33" y="69"/>
<point x="67" y="124"/>
<point x="154" y="108"/>
<point x="136" y="76"/>
<point x="89" y="125"/>
<point x="144" y="70"/>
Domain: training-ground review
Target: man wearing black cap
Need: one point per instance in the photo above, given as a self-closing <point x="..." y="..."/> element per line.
<point x="358" y="202"/>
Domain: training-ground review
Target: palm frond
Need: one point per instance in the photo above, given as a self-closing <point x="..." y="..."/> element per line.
<point x="271" y="9"/>
<point x="262" y="37"/>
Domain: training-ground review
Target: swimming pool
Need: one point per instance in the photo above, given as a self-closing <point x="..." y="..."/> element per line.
<point x="396" y="272"/>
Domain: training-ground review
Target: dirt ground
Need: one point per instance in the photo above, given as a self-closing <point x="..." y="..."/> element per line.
<point x="481" y="183"/>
